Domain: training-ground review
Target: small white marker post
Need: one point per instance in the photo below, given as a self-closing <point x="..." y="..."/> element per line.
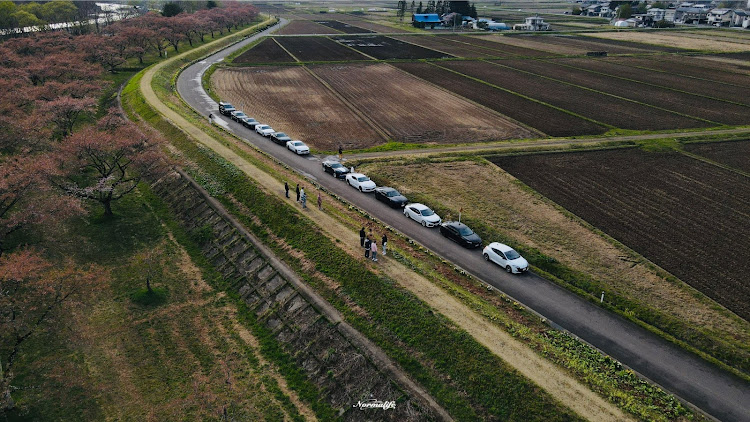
<point x="602" y="299"/>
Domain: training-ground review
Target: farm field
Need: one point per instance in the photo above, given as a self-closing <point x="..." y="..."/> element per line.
<point x="687" y="216"/>
<point x="734" y="154"/>
<point x="344" y="27"/>
<point x="549" y="120"/>
<point x="317" y="116"/>
<point x="497" y="46"/>
<point x="318" y="49"/>
<point x="674" y="40"/>
<point x="300" y="27"/>
<point x="706" y="108"/>
<point x="609" y="110"/>
<point x="378" y="90"/>
<point x="385" y="48"/>
<point x="533" y="42"/>
<point x="442" y="44"/>
<point x="267" y="51"/>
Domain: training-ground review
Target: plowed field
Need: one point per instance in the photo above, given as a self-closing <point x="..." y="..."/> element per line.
<point x="444" y="45"/>
<point x="384" y="48"/>
<point x="306" y="27"/>
<point x="674" y="39"/>
<point x="706" y="108"/>
<point x="549" y="120"/>
<point x="689" y="217"/>
<point x="410" y="110"/>
<point x="292" y="100"/>
<point x="318" y="49"/>
<point x="266" y="51"/>
<point x="734" y="154"/>
<point x="497" y="46"/>
<point x="344" y="27"/>
<point x="603" y="108"/>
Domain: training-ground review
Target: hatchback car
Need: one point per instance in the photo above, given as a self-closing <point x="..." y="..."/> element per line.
<point x="237" y="115"/>
<point x="336" y="169"/>
<point x="390" y="196"/>
<point x="298" y="147"/>
<point x="506" y="257"/>
<point x="422" y="214"/>
<point x="360" y="181"/>
<point x="461" y="234"/>
<point x="264" y="130"/>
<point x="280" y="138"/>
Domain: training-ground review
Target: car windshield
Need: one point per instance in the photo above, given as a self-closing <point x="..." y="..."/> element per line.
<point x="240" y="114"/>
<point x="263" y="127"/>
<point x="336" y="166"/>
<point x="298" y="144"/>
<point x="281" y="135"/>
<point x="428" y="212"/>
<point x="511" y="254"/>
<point x="363" y="179"/>
<point x="465" y="231"/>
<point x="393" y="193"/>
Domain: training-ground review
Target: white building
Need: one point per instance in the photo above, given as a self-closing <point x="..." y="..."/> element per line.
<point x="533" y="23"/>
<point x="720" y="17"/>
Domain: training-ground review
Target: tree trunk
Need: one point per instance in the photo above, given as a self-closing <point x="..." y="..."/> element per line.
<point x="107" y="207"/>
<point x="148" y="283"/>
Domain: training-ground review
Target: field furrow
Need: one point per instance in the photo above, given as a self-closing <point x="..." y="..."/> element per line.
<point x="734" y="154"/>
<point x="318" y="49"/>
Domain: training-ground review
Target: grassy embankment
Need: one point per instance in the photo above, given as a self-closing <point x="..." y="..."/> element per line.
<point x="637" y="397"/>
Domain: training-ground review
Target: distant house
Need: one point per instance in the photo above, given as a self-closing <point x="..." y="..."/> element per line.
<point x="657" y="14"/>
<point x="424" y="20"/>
<point x="533" y="23"/>
<point x="741" y="18"/>
<point x="720" y="17"/>
<point x="691" y="14"/>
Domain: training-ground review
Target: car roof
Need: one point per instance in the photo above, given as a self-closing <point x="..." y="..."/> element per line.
<point x="385" y="189"/>
<point x="455" y="224"/>
<point x="418" y="205"/>
<point x="503" y="247"/>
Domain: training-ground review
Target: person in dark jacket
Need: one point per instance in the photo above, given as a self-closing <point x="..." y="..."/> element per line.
<point x="362" y="237"/>
<point x="286" y="189"/>
<point x="297" y="192"/>
<point x="385" y="241"/>
<point x="367" y="247"/>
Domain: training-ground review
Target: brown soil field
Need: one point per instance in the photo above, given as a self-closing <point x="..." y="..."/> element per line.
<point x="550" y="121"/>
<point x="318" y="49"/>
<point x="734" y="153"/>
<point x="583" y="45"/>
<point x="714" y="110"/>
<point x="535" y="42"/>
<point x="725" y="63"/>
<point x="344" y="27"/>
<point x="676" y="72"/>
<point x="716" y="36"/>
<point x="445" y="45"/>
<point x="302" y="106"/>
<point x="390" y="98"/>
<point x="627" y="47"/>
<point x="266" y="51"/>
<point x="496" y="46"/>
<point x="385" y="48"/>
<point x="372" y="26"/>
<point x="523" y="217"/>
<point x="610" y="110"/>
<point x="687" y="216"/>
<point x="673" y="39"/>
<point x="296" y="27"/>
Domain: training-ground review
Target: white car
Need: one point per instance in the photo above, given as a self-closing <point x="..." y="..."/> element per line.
<point x="422" y="214"/>
<point x="298" y="147"/>
<point x="361" y="182"/>
<point x="264" y="130"/>
<point x="506" y="257"/>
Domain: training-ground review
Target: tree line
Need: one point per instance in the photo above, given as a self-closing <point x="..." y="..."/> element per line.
<point x="60" y="149"/>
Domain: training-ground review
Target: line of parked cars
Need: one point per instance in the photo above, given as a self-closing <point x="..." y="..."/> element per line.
<point x="501" y="254"/>
<point x="281" y="138"/>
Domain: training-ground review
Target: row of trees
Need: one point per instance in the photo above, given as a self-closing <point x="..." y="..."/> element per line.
<point x="463" y="8"/>
<point x="55" y="155"/>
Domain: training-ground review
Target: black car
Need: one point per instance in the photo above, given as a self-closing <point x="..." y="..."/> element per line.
<point x="391" y="197"/>
<point x="461" y="234"/>
<point x="336" y="169"/>
<point x="280" y="138"/>
<point x="249" y="122"/>
<point x="237" y="115"/>
<point x="226" y="108"/>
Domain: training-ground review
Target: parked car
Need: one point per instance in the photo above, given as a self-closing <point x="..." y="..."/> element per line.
<point x="506" y="257"/>
<point x="360" y="181"/>
<point x="226" y="108"/>
<point x="391" y="197"/>
<point x="264" y="130"/>
<point x="249" y="122"/>
<point x="336" y="169"/>
<point x="236" y="115"/>
<point x="298" y="147"/>
<point x="280" y="138"/>
<point x="422" y="214"/>
<point x="461" y="234"/>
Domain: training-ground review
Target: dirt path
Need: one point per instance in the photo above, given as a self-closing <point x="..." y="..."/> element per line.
<point x="554" y="380"/>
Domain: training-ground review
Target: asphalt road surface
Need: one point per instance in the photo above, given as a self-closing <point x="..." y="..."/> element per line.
<point x="714" y="391"/>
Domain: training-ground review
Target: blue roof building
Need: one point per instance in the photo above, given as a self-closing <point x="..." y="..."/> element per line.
<point x="423" y="20"/>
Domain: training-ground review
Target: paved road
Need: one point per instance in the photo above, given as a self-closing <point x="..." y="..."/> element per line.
<point x="716" y="392"/>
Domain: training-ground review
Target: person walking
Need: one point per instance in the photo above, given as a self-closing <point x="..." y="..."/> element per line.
<point x="303" y="198"/>
<point x="341" y="152"/>
<point x="367" y="247"/>
<point x="286" y="189"/>
<point x="362" y="237"/>
<point x="211" y="119"/>
<point x="374" y="250"/>
<point x="385" y="242"/>
<point x="320" y="201"/>
<point x="297" y="192"/>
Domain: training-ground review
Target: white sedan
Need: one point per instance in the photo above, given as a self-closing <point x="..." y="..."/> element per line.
<point x="506" y="257"/>
<point x="264" y="130"/>
<point x="422" y="214"/>
<point x="297" y="147"/>
<point x="360" y="181"/>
